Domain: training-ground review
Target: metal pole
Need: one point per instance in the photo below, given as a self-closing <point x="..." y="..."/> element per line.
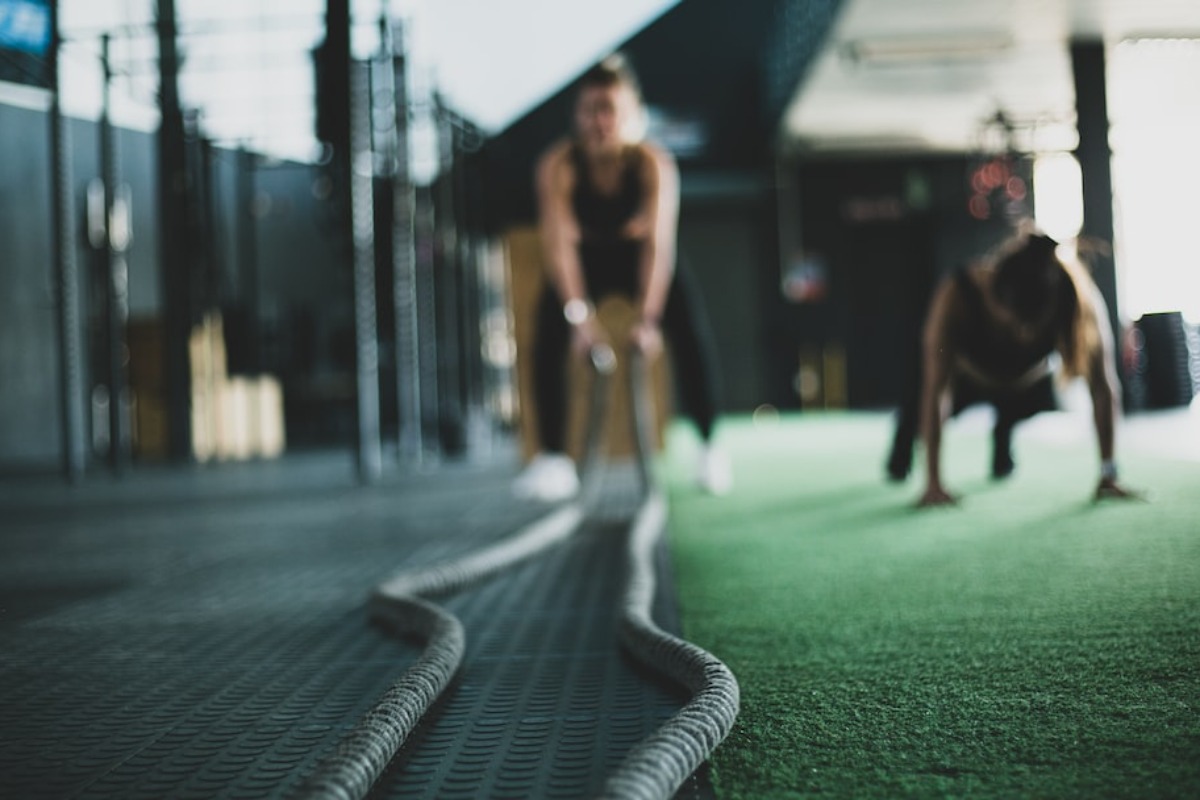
<point x="468" y="297"/>
<point x="1095" y="163"/>
<point x="428" y="346"/>
<point x="174" y="263"/>
<point x="447" y="266"/>
<point x="67" y="271"/>
<point x="404" y="280"/>
<point x="116" y="280"/>
<point x="247" y="254"/>
<point x="208" y="231"/>
<point x="370" y="455"/>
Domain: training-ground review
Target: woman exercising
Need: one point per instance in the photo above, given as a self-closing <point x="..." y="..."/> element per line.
<point x="608" y="204"/>
<point x="997" y="332"/>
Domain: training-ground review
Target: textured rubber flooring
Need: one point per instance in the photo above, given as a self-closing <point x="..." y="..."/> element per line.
<point x="203" y="633"/>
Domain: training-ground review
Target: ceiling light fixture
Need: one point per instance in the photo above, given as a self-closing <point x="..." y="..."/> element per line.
<point x="927" y="49"/>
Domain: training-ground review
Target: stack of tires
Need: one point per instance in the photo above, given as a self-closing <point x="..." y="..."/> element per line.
<point x="1163" y="362"/>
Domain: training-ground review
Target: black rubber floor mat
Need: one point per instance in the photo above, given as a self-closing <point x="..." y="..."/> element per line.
<point x="546" y="704"/>
<point x="193" y="636"/>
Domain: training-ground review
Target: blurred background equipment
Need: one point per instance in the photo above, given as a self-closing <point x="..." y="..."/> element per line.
<point x="335" y="182"/>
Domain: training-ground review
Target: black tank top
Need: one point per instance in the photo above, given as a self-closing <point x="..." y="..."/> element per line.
<point x="988" y="347"/>
<point x="602" y="216"/>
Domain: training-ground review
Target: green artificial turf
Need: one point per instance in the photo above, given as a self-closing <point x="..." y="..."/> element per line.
<point x="1027" y="643"/>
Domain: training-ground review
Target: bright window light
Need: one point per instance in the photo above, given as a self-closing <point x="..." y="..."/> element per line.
<point x="1058" y="195"/>
<point x="1156" y="124"/>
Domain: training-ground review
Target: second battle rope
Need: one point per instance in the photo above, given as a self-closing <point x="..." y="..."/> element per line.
<point x="660" y="763"/>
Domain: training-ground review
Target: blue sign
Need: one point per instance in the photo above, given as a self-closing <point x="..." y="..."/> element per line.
<point x="25" y="26"/>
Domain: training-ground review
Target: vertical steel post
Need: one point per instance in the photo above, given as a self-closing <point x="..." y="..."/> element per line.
<point x="449" y="282"/>
<point x="428" y="346"/>
<point x="247" y="254"/>
<point x="362" y="215"/>
<point x="116" y="299"/>
<point x="1095" y="163"/>
<point x="66" y="271"/>
<point x="175" y="264"/>
<point x="470" y="305"/>
<point x="404" y="273"/>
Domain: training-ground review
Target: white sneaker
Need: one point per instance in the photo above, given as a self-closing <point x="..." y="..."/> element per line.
<point x="549" y="477"/>
<point x="714" y="473"/>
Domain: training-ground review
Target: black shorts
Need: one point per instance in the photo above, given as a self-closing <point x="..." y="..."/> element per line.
<point x="1015" y="404"/>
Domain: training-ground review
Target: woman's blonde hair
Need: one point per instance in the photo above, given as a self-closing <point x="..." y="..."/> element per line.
<point x="616" y="70"/>
<point x="1081" y="340"/>
<point x="613" y="70"/>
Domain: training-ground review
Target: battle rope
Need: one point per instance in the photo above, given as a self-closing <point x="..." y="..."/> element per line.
<point x="362" y="755"/>
<point x="657" y="766"/>
<point x="660" y="763"/>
